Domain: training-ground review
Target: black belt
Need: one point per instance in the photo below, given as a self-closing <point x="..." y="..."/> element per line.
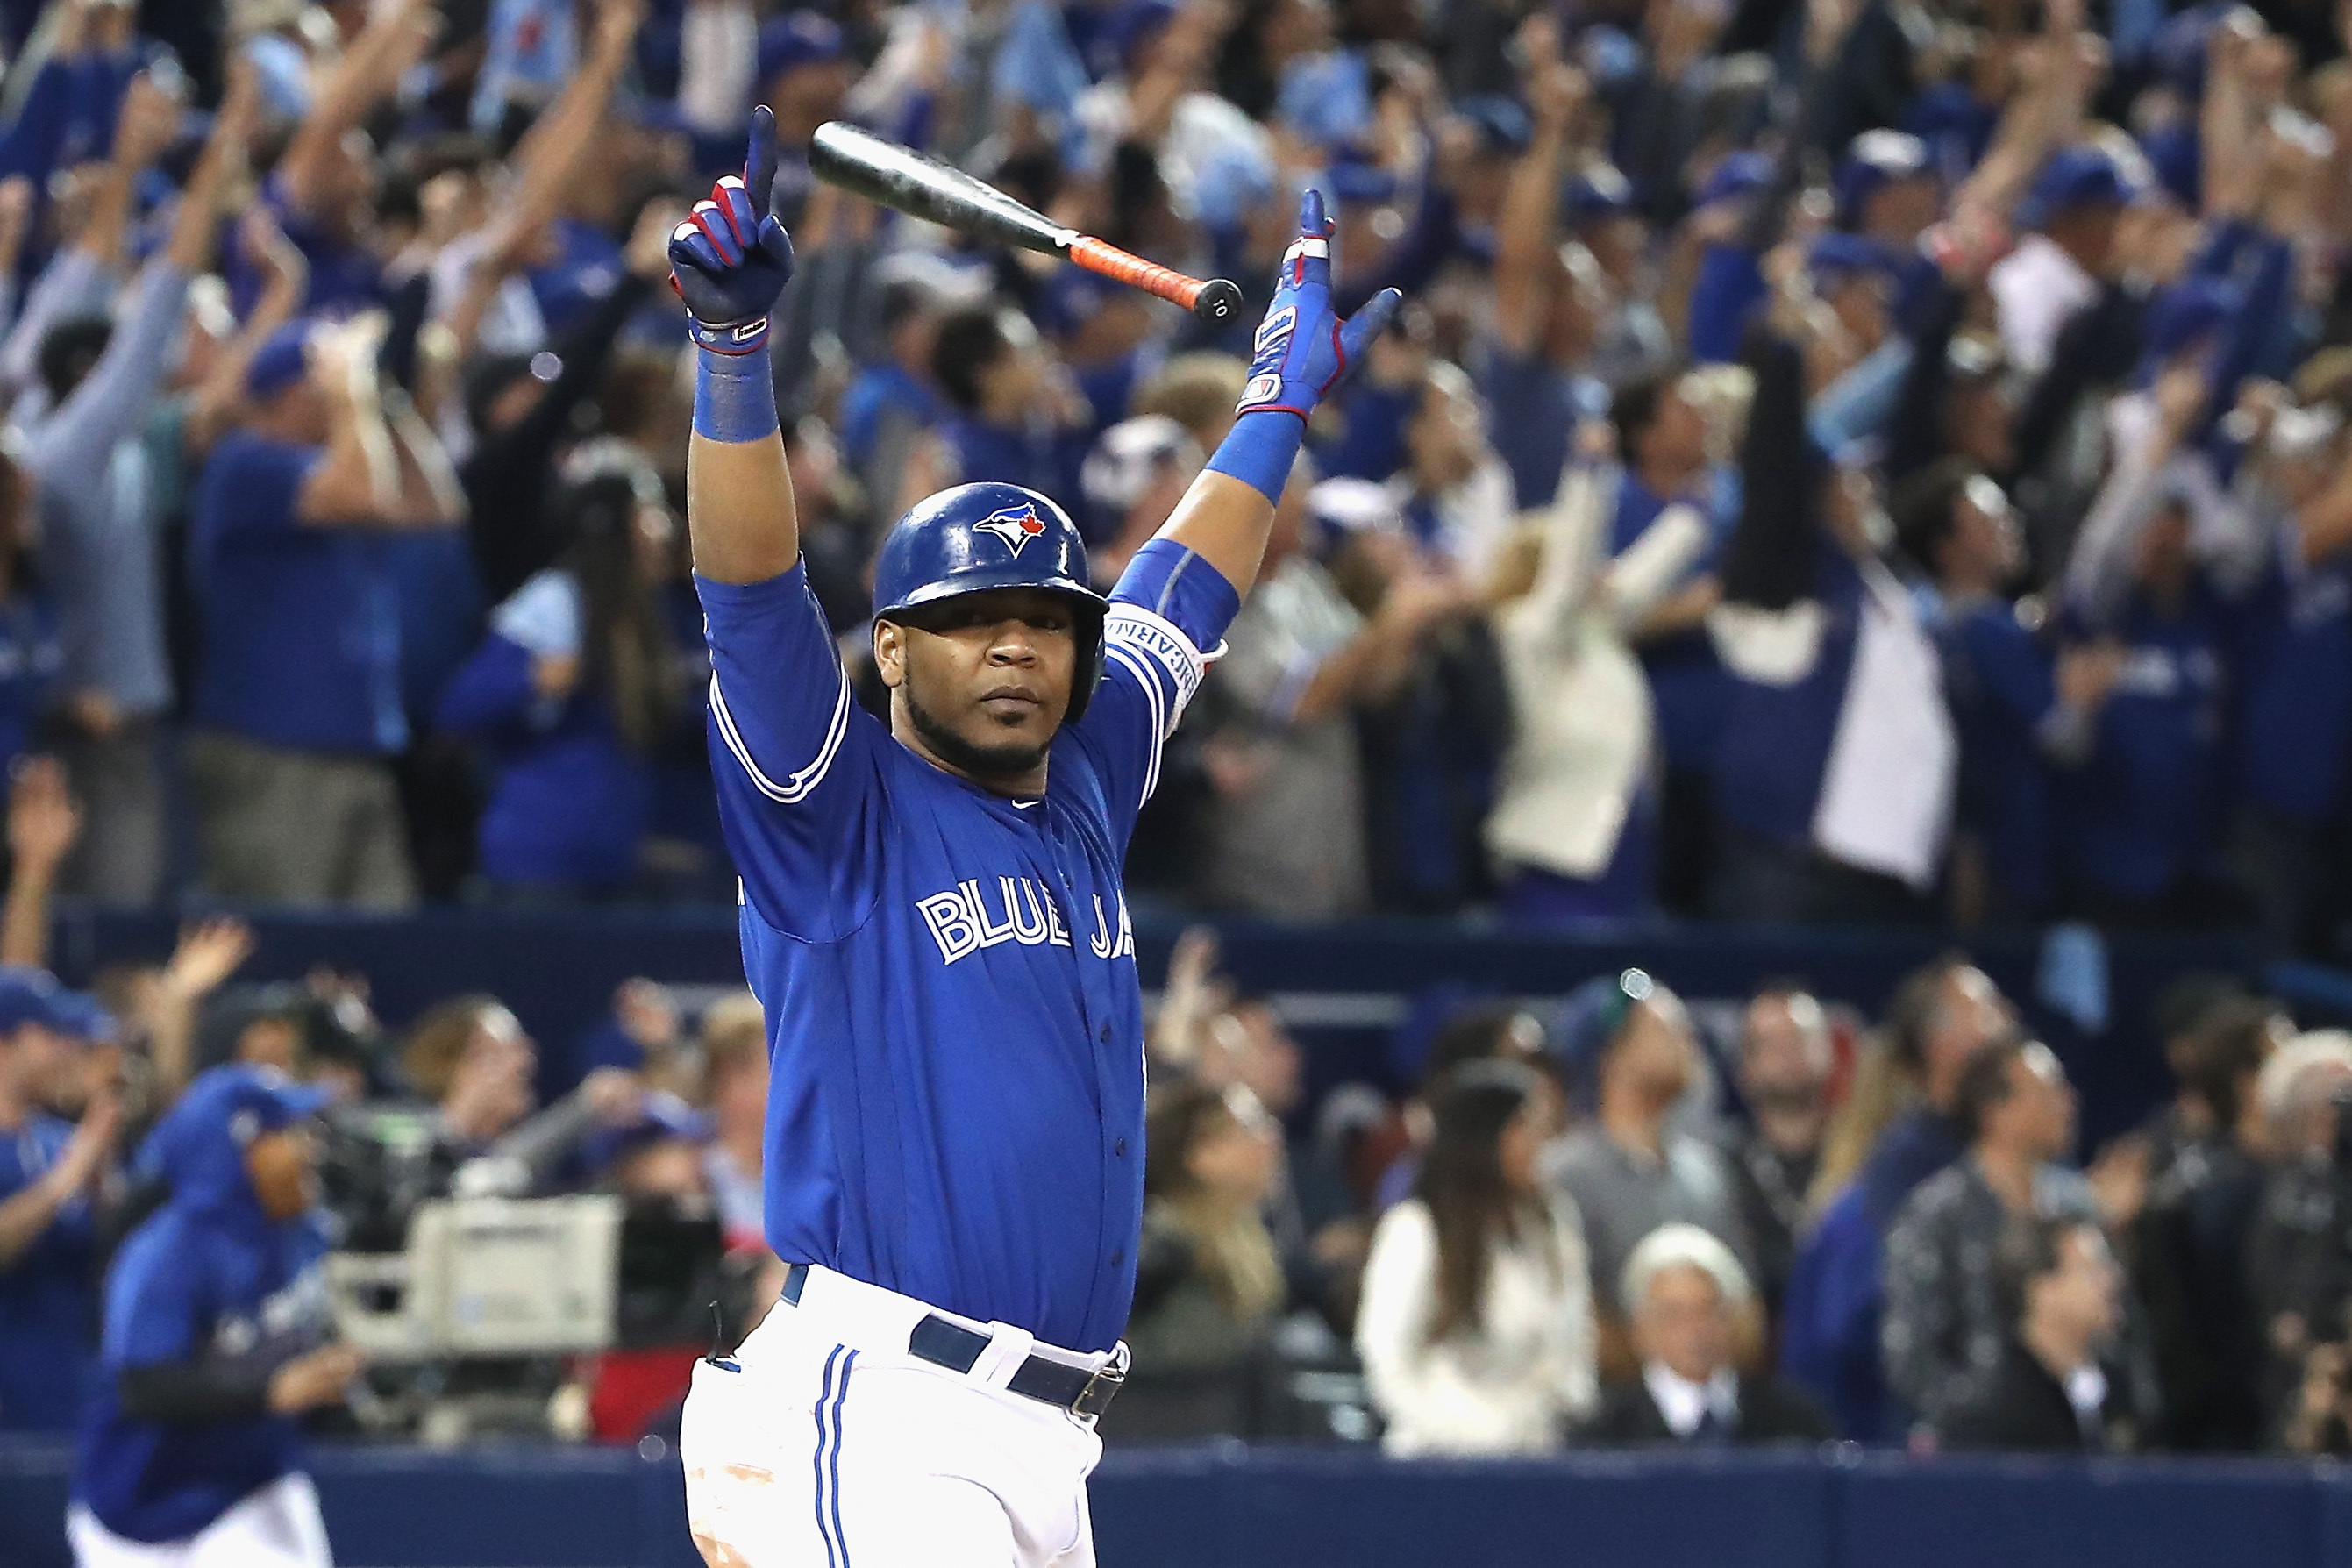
<point x="943" y="1342"/>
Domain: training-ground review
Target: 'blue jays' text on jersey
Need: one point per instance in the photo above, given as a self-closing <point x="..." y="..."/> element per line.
<point x="956" y="1106"/>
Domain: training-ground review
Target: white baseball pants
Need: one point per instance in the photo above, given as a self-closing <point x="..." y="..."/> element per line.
<point x="823" y="1444"/>
<point x="277" y="1527"/>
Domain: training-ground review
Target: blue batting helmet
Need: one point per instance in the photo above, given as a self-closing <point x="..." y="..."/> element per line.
<point x="976" y="538"/>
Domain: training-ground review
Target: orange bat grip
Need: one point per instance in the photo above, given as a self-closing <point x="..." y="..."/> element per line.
<point x="1096" y="256"/>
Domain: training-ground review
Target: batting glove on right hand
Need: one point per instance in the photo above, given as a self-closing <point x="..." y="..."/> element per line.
<point x="1303" y="346"/>
<point x="729" y="262"/>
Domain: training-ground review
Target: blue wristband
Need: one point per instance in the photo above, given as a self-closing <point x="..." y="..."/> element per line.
<point x="1260" y="449"/>
<point x="734" y="395"/>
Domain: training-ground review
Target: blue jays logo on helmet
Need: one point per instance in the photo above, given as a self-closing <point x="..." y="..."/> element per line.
<point x="1016" y="525"/>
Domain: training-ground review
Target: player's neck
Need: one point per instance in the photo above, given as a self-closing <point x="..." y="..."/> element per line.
<point x="1028" y="783"/>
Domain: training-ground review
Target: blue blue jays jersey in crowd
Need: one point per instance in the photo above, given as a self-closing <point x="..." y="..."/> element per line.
<point x="956" y="1031"/>
<point x="48" y="1296"/>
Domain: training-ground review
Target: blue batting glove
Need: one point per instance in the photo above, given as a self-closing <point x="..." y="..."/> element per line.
<point x="731" y="260"/>
<point x="1302" y="347"/>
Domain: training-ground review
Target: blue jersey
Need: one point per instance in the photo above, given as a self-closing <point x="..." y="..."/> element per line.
<point x="954" y="1023"/>
<point x="207" y="1280"/>
<point x="48" y="1296"/>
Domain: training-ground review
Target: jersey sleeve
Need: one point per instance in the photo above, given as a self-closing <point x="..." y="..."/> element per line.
<point x="793" y="754"/>
<point x="1169" y="605"/>
<point x="155" y="1307"/>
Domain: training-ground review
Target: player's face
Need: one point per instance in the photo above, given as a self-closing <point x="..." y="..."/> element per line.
<point x="279" y="1165"/>
<point x="985" y="677"/>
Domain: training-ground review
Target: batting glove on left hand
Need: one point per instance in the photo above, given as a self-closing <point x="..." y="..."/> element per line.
<point x="1303" y="346"/>
<point x="729" y="262"/>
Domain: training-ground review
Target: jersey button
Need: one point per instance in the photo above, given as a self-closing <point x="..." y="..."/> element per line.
<point x="1117" y="1259"/>
<point x="1105" y="1035"/>
<point x="1119" y="1149"/>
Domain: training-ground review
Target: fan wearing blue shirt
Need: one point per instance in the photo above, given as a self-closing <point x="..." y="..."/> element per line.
<point x="572" y="689"/>
<point x="2143" y="814"/>
<point x="298" y="702"/>
<point x="2293" y="653"/>
<point x="49" y="1172"/>
<point x="1014" y="419"/>
<point x="2020" y="706"/>
<point x="214" y="1345"/>
<point x="1662" y="443"/>
<point x="893" y="401"/>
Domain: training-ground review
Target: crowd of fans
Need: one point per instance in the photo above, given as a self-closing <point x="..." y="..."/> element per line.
<point x="1608" y="1224"/>
<point x="1611" y="1219"/>
<point x="1844" y="460"/>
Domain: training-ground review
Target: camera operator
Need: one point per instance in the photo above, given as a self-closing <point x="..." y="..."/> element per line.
<point x="470" y="1130"/>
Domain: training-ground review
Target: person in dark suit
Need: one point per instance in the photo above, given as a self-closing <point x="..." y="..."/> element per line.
<point x="1687" y="1295"/>
<point x="2059" y="1286"/>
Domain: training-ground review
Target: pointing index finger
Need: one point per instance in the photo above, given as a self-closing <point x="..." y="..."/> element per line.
<point x="760" y="162"/>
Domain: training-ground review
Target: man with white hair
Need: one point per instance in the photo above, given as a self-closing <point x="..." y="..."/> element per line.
<point x="1690" y="1305"/>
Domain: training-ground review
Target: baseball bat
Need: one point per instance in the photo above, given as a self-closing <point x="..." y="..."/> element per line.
<point x="901" y="178"/>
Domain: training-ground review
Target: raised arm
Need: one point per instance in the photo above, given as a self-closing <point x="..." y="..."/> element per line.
<point x="395" y="38"/>
<point x="548" y="158"/>
<point x="1303" y="350"/>
<point x="729" y="262"/>
<point x="1524" y="229"/>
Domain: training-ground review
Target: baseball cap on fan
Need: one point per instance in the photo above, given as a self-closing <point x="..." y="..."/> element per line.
<point x="802" y="38"/>
<point x="281" y="361"/>
<point x="29" y="995"/>
<point x="1129" y="456"/>
<point x="1873" y="161"/>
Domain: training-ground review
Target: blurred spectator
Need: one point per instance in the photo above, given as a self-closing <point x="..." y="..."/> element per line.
<point x="298" y="698"/>
<point x="576" y="689"/>
<point x="86" y="454"/>
<point x="2020" y="708"/>
<point x="2295" y="1259"/>
<point x="1016" y="417"/>
<point x="1944" y="1331"/>
<point x="1493" y="1031"/>
<point x="1287" y="836"/>
<point x="473" y="1133"/>
<point x="1134" y="477"/>
<point x="51" y="1174"/>
<point x="735" y="1078"/>
<point x="2188" y="1256"/>
<point x="1209" y="1284"/>
<point x="2059" y="1293"/>
<point x="1476" y="1326"/>
<point x="217" y="1341"/>
<point x="1690" y="1305"/>
<point x="1631" y="1054"/>
<point x="1575" y="819"/>
<point x="1786" y="1059"/>
<point x="1833" y="774"/>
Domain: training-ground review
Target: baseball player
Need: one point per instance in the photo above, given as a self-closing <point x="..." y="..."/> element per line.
<point x="932" y="916"/>
<point x="213" y="1345"/>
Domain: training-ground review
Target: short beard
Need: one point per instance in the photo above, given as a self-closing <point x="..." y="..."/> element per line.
<point x="962" y="755"/>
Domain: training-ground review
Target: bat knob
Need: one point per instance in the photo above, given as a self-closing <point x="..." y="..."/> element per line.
<point x="1219" y="301"/>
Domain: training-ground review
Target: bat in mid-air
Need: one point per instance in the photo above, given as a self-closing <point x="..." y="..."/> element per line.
<point x="900" y="177"/>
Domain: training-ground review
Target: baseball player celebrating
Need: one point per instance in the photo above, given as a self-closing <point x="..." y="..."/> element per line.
<point x="932" y="916"/>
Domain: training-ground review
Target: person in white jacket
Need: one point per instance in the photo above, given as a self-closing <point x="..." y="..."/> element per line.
<point x="1570" y="828"/>
<point x="1476" y="1329"/>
